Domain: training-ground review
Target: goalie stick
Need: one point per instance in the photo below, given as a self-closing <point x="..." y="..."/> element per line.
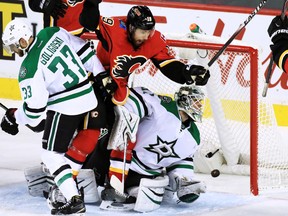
<point x="240" y="28"/>
<point x="271" y="62"/>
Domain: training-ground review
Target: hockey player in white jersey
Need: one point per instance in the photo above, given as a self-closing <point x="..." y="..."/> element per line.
<point x="167" y="139"/>
<point x="53" y="80"/>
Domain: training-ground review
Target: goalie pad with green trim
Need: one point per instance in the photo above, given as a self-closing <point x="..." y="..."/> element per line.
<point x="124" y="128"/>
<point x="149" y="193"/>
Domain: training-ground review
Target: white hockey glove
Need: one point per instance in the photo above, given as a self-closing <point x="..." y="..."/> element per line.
<point x="125" y="127"/>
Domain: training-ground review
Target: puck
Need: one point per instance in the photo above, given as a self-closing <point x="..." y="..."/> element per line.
<point x="215" y="173"/>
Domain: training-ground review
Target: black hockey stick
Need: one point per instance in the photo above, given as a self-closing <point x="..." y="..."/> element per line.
<point x="241" y="27"/>
<point x="271" y="62"/>
<point x="6" y="108"/>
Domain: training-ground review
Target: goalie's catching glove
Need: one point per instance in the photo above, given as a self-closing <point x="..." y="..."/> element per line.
<point x="8" y="123"/>
<point x="197" y="74"/>
<point x="55" y="8"/>
<point x="278" y="29"/>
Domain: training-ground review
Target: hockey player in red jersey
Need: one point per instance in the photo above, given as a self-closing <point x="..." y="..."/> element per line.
<point x="61" y="13"/>
<point x="278" y="32"/>
<point x="124" y="46"/>
<point x="128" y="44"/>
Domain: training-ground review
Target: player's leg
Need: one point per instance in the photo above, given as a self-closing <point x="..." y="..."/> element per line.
<point x="59" y="131"/>
<point x="86" y="139"/>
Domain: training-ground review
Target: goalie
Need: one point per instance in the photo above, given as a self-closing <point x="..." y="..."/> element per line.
<point x="167" y="139"/>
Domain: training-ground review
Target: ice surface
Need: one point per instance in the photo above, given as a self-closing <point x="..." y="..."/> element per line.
<point x="226" y="195"/>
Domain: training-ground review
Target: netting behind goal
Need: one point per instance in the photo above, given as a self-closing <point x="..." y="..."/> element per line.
<point x="239" y="132"/>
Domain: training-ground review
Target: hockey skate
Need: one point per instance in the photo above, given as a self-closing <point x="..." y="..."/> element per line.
<point x="54" y="197"/>
<point x="114" y="200"/>
<point x="74" y="206"/>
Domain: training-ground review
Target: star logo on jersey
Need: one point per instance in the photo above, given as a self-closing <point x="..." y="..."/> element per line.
<point x="125" y="65"/>
<point x="23" y="72"/>
<point x="163" y="149"/>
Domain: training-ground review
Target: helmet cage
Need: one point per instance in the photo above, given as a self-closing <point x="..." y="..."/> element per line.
<point x="191" y="100"/>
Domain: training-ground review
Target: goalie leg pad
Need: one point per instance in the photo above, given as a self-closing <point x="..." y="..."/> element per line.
<point x="149" y="193"/>
<point x="86" y="180"/>
<point x="38" y="181"/>
<point x="125" y="126"/>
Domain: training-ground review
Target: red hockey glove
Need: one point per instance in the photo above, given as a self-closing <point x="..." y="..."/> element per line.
<point x="8" y="123"/>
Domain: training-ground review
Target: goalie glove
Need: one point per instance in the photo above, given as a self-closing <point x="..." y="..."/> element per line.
<point x="197" y="74"/>
<point x="55" y="8"/>
<point x="8" y="123"/>
<point x="278" y="29"/>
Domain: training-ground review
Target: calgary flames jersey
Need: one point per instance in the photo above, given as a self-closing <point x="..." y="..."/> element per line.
<point x="118" y="54"/>
<point x="70" y="21"/>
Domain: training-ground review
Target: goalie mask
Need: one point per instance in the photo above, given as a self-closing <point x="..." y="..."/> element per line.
<point x="190" y="99"/>
<point x="14" y="31"/>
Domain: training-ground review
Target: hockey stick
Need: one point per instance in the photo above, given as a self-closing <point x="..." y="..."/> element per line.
<point x="6" y="108"/>
<point x="114" y="181"/>
<point x="271" y="62"/>
<point x="241" y="27"/>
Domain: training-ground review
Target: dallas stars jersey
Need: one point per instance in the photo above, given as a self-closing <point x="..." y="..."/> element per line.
<point x="162" y="139"/>
<point x="53" y="76"/>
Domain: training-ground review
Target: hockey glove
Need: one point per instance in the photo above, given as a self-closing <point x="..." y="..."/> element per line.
<point x="55" y="8"/>
<point x="197" y="74"/>
<point x="278" y="29"/>
<point x="105" y="83"/>
<point x="8" y="123"/>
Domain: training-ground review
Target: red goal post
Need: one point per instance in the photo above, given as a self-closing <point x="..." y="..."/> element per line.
<point x="238" y="123"/>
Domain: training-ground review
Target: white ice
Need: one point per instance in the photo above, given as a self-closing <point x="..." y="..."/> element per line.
<point x="226" y="195"/>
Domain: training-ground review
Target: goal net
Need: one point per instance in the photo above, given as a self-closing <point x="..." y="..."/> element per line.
<point x="239" y="132"/>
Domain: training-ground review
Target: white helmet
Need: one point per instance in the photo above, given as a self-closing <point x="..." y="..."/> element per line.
<point x="14" y="31"/>
<point x="190" y="99"/>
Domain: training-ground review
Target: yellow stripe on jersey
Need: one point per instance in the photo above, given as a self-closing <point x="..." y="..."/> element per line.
<point x="280" y="62"/>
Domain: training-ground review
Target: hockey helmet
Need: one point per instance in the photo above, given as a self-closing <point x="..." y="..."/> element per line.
<point x="141" y="17"/>
<point x="14" y="31"/>
<point x="190" y="99"/>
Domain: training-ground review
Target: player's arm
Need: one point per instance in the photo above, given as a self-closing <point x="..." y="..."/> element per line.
<point x="182" y="73"/>
<point x="90" y="15"/>
<point x="278" y="32"/>
<point x="175" y="69"/>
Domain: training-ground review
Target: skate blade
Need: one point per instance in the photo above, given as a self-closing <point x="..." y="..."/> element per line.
<point x="115" y="206"/>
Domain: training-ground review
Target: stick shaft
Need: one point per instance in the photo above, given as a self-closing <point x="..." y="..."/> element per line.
<point x="242" y="26"/>
<point x="271" y="62"/>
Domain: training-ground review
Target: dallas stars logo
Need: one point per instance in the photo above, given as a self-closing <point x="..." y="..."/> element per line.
<point x="163" y="149"/>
